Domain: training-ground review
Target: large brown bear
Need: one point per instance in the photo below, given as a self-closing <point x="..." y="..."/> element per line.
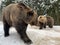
<point x="45" y="20"/>
<point x="19" y="16"/>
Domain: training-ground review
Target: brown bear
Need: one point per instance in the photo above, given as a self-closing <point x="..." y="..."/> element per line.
<point x="19" y="16"/>
<point x="50" y="21"/>
<point x="45" y="20"/>
<point x="42" y="21"/>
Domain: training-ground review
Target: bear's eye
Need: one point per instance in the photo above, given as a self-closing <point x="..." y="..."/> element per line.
<point x="40" y="17"/>
<point x="30" y="13"/>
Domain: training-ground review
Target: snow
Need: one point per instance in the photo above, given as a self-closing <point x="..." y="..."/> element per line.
<point x="48" y="36"/>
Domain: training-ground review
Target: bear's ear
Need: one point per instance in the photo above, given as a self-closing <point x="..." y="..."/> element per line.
<point x="40" y="17"/>
<point x="21" y="5"/>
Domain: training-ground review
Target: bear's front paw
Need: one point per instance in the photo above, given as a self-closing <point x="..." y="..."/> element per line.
<point x="28" y="41"/>
<point x="40" y="28"/>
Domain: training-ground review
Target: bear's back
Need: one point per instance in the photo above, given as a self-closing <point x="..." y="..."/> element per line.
<point x="10" y="13"/>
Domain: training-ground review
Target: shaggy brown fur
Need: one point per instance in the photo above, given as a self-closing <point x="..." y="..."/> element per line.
<point x="34" y="22"/>
<point x="19" y="16"/>
<point x="42" y="21"/>
<point x="45" y="20"/>
<point x="50" y="21"/>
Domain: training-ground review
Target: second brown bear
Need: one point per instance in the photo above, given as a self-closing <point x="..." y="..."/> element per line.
<point x="45" y="20"/>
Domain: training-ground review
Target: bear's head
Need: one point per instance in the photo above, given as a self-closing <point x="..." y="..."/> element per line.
<point x="28" y="13"/>
<point x="42" y="19"/>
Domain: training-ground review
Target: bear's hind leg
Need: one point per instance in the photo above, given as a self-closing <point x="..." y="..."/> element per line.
<point x="6" y="28"/>
<point x="50" y="25"/>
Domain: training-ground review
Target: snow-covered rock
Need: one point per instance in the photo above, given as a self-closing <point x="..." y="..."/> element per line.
<point x="48" y="36"/>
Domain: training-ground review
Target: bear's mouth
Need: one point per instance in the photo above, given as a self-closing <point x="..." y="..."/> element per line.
<point x="28" y="20"/>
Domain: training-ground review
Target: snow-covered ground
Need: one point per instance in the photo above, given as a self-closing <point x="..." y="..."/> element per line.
<point x="39" y="37"/>
<point x="13" y="39"/>
<point x="48" y="36"/>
